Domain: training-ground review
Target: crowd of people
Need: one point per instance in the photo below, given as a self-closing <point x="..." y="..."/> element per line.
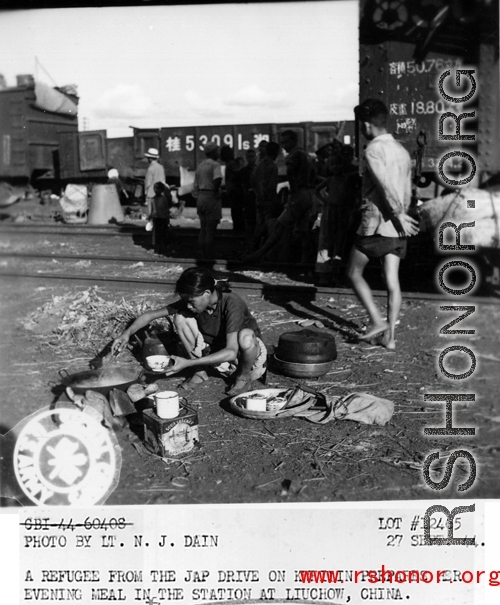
<point x="305" y="214"/>
<point x="325" y="214"/>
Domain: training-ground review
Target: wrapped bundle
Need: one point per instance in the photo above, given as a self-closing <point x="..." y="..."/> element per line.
<point x="454" y="208"/>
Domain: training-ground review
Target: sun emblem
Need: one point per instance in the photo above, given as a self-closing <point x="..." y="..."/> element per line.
<point x="389" y="14"/>
<point x="64" y="456"/>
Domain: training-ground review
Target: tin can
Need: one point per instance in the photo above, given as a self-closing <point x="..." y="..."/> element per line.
<point x="171" y="437"/>
<point x="256" y="402"/>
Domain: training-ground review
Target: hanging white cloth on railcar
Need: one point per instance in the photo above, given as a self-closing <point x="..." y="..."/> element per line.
<point x="52" y="100"/>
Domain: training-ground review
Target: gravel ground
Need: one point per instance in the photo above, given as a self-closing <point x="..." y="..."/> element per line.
<point x="243" y="460"/>
<point x="276" y="460"/>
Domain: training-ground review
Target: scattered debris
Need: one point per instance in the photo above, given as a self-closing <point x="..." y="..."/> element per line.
<point x="83" y="321"/>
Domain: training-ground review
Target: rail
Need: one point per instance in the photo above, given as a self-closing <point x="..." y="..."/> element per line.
<point x="238" y="284"/>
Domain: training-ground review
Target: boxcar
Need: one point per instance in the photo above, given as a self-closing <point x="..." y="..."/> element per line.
<point x="30" y="133"/>
<point x="87" y="155"/>
<point x="405" y="46"/>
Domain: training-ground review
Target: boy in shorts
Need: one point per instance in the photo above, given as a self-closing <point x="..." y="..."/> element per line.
<point x="385" y="225"/>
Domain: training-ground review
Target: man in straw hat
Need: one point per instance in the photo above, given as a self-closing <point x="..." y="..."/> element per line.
<point x="206" y="191"/>
<point x="154" y="174"/>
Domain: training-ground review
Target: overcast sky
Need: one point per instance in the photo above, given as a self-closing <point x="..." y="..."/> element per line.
<point x="154" y="66"/>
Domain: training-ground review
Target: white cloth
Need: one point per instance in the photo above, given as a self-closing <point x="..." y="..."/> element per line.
<point x="386" y="189"/>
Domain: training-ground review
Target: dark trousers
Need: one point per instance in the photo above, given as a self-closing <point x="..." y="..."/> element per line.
<point x="161" y="228"/>
<point x="237" y="211"/>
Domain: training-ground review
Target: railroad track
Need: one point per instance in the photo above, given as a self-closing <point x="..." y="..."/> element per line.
<point x="109" y="238"/>
<point x="221" y="265"/>
<point x="10" y="267"/>
<point x="239" y="283"/>
<point x="125" y="230"/>
<point x="62" y="229"/>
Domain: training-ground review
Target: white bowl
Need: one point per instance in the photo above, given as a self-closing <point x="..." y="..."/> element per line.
<point x="275" y="403"/>
<point x="158" y="363"/>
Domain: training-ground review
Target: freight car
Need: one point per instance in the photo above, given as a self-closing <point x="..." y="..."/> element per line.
<point x="405" y="46"/>
<point x="87" y="155"/>
<point x="40" y="138"/>
<point x="32" y="118"/>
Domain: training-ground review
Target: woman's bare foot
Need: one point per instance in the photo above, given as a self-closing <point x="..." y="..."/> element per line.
<point x="194" y="381"/>
<point x="375" y="330"/>
<point x="388" y="342"/>
<point x="240" y="385"/>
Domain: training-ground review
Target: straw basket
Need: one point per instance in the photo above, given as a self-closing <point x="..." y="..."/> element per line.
<point x="237" y="405"/>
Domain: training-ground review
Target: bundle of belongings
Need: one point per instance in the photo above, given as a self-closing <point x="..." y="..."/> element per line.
<point x="476" y="212"/>
<point x="110" y="412"/>
<point x="321" y="408"/>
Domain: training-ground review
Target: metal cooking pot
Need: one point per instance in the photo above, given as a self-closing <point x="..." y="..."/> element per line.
<point x="303" y="370"/>
<point x="102" y="380"/>
<point x="306" y="346"/>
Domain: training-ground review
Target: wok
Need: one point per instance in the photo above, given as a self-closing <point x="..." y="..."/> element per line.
<point x="102" y="380"/>
<point x="306" y="347"/>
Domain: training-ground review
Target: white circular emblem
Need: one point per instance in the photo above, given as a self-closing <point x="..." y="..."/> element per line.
<point x="390" y="14"/>
<point x="64" y="456"/>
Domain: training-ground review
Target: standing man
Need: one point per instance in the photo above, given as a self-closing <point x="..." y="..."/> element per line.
<point x="261" y="149"/>
<point x="206" y="191"/>
<point x="160" y="215"/>
<point x="339" y="205"/>
<point x="294" y="225"/>
<point x="248" y="193"/>
<point x="386" y="193"/>
<point x="154" y="174"/>
<point x="301" y="210"/>
<point x="234" y="189"/>
<point x="265" y="183"/>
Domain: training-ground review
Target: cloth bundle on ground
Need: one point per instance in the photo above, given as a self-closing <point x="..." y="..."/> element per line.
<point x="321" y="408"/>
<point x="9" y="194"/>
<point x="108" y="413"/>
<point x="74" y="204"/>
<point x="458" y="208"/>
